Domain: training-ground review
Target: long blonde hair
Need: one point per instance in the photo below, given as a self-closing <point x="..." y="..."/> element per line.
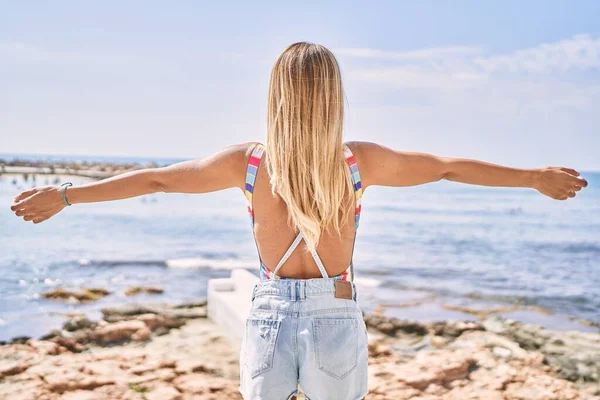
<point x="305" y="157"/>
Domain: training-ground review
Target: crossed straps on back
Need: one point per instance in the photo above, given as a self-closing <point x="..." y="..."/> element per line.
<point x="291" y="249"/>
<point x="252" y="170"/>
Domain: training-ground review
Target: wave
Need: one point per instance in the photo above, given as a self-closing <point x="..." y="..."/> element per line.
<point x="569" y="248"/>
<point x="198" y="262"/>
<point x="211" y="263"/>
<point x="370" y="282"/>
<point x="118" y="263"/>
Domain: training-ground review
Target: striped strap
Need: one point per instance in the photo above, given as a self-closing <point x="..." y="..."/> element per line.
<point x="351" y="161"/>
<point x="253" y="163"/>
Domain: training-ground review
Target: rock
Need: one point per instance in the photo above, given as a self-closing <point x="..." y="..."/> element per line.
<point x="131" y="291"/>
<point x="142" y="334"/>
<point x="69" y="343"/>
<point x="454" y="328"/>
<point x="186" y="313"/>
<point x="197" y="304"/>
<point x="86" y="295"/>
<point x="390" y="326"/>
<point x="13" y="368"/>
<point x="77" y="323"/>
<point x="188" y="365"/>
<point x="501" y="352"/>
<point x="120" y="332"/>
<point x="504" y="347"/>
<point x="386" y="327"/>
<point x="128" y="310"/>
<point x="98" y="292"/>
<point x="83" y="395"/>
<point x="432" y="367"/>
<point x="160" y="331"/>
<point x="20" y="339"/>
<point x="164" y="393"/>
<point x="207" y="384"/>
<point x="378" y="350"/>
<point x="154" y="321"/>
<point x="14" y="388"/>
<point x="72" y="380"/>
<point x="51" y="334"/>
<point x="158" y="323"/>
<point x="575" y="354"/>
<point x="120" y="313"/>
<point x="438" y="341"/>
<point x="44" y="347"/>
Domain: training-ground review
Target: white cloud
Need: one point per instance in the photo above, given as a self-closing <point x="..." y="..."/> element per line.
<point x="580" y="52"/>
<point x="458" y="67"/>
<point x="415" y="55"/>
<point x="414" y="77"/>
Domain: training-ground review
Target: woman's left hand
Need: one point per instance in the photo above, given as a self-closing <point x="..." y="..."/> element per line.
<point x="38" y="204"/>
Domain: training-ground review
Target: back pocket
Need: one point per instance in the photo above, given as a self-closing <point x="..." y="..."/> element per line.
<point x="336" y="345"/>
<point x="260" y="340"/>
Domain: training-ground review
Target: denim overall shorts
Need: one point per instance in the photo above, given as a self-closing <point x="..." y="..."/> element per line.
<point x="303" y="332"/>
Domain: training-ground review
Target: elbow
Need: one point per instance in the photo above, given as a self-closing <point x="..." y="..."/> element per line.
<point x="445" y="171"/>
<point x="157" y="186"/>
<point x="446" y="176"/>
<point x="154" y="181"/>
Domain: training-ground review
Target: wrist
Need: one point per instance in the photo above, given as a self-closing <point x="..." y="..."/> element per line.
<point x="532" y="178"/>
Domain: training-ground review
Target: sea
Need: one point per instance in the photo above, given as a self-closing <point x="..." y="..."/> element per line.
<point x="439" y="251"/>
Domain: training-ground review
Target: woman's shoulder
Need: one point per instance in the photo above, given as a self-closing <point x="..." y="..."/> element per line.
<point x="239" y="155"/>
<point x="358" y="149"/>
<point x="363" y="149"/>
<point x="246" y="149"/>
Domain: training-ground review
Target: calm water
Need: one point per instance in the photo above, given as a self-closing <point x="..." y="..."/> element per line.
<point x="458" y="241"/>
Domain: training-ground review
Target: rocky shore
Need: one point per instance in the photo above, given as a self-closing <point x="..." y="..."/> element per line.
<point x="159" y="352"/>
<point x="96" y="170"/>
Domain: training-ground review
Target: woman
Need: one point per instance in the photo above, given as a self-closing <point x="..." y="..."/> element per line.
<point x="305" y="186"/>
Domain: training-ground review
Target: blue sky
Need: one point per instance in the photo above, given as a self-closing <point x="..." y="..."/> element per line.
<point x="516" y="83"/>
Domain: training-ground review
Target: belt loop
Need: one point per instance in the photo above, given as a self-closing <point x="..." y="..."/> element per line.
<point x="353" y="291"/>
<point x="292" y="290"/>
<point x="253" y="292"/>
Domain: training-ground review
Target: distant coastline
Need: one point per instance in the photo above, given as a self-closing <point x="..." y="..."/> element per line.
<point x="82" y="159"/>
<point x="82" y="168"/>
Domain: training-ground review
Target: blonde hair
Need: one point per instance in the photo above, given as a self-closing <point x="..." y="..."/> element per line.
<point x="305" y="158"/>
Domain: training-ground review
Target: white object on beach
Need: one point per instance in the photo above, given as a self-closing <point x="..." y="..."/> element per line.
<point x="230" y="299"/>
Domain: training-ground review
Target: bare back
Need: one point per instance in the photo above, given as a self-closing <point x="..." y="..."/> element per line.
<point x="273" y="235"/>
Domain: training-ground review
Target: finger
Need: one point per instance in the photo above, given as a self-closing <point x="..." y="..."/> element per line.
<point x="15" y="206"/>
<point x="576" y="188"/>
<point x="574" y="180"/>
<point x="24" y="195"/>
<point x="570" y="171"/>
<point x="28" y="217"/>
<point x="571" y="194"/>
<point x="21" y="212"/>
<point x="38" y="220"/>
<point x="19" y="204"/>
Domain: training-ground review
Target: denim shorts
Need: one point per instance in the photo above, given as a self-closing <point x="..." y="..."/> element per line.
<point x="299" y="333"/>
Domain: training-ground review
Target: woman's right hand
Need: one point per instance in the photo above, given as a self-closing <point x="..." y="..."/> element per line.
<point x="559" y="183"/>
<point x="38" y="204"/>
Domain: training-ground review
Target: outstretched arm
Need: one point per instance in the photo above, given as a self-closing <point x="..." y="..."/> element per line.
<point x="222" y="170"/>
<point x="383" y="166"/>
